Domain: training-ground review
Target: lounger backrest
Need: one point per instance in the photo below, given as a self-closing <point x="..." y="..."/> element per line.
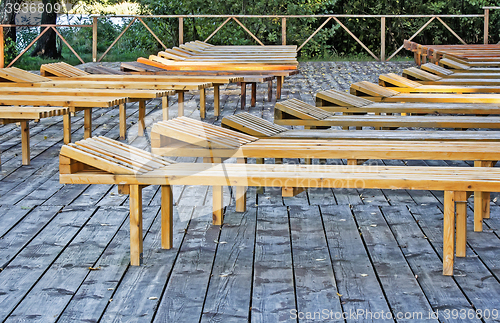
<point x="112" y="156"/>
<point x="341" y="98"/>
<point x="447" y="62"/>
<point x="301" y="110"/>
<point x="61" y="69"/>
<point x="365" y="88"/>
<point x="201" y="134"/>
<point x="421" y="75"/>
<point x="14" y="74"/>
<point x="247" y="123"/>
<point x="436" y="69"/>
<point x="391" y="79"/>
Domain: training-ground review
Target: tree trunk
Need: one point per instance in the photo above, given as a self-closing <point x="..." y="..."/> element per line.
<point x="8" y="17"/>
<point x="47" y="44"/>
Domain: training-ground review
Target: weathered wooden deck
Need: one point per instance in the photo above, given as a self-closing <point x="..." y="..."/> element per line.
<point x="64" y="249"/>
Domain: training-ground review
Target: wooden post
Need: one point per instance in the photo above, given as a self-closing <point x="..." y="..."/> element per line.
<point x="486" y="24"/>
<point x="448" y="233"/>
<point x="164" y="107"/>
<point x="216" y="100"/>
<point x="167" y="213"/>
<point x="94" y="39"/>
<point x="25" y="142"/>
<point x="2" y="54"/>
<point x="67" y="128"/>
<point x="123" y="120"/>
<point x="87" y="121"/>
<point x="181" y="30"/>
<point x="135" y="225"/>
<point x="382" y="39"/>
<point x="243" y="98"/>
<point x="253" y="99"/>
<point x="142" y="114"/>
<point x="241" y="196"/>
<point x="461" y="206"/>
<point x="283" y="31"/>
<point x="180" y="103"/>
<point x="203" y="104"/>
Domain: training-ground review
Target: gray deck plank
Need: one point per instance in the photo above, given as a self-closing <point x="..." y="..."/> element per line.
<point x="315" y="286"/>
<point x="184" y="295"/>
<point x="229" y="292"/>
<point x="51" y="294"/>
<point x="30" y="264"/>
<point x="93" y="295"/>
<point x="273" y="296"/>
<point x="400" y="285"/>
<point x="442" y="291"/>
<point x="473" y="277"/>
<point x="357" y="282"/>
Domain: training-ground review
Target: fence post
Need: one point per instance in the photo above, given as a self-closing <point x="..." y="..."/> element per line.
<point x="181" y="30"/>
<point x="382" y="39"/>
<point x="94" y="39"/>
<point x="283" y="31"/>
<point x="486" y="24"/>
<point x="2" y="59"/>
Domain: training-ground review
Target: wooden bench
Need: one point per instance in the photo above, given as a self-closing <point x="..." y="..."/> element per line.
<point x="444" y="73"/>
<point x="140" y="96"/>
<point x="339" y="101"/>
<point x="103" y="161"/>
<point x="294" y="113"/>
<point x="185" y="137"/>
<point x="377" y="93"/>
<point x="73" y="103"/>
<point x="252" y="125"/>
<point x="454" y="65"/>
<point x="449" y="85"/>
<point x="22" y="115"/>
<point x="100" y="69"/>
<point x="60" y="69"/>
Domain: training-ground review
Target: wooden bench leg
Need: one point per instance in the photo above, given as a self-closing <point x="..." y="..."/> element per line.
<point x="279" y="85"/>
<point x="481" y="201"/>
<point x="164" y="107"/>
<point x="461" y="231"/>
<point x="87" y="121"/>
<point x="243" y="95"/>
<point x="269" y="91"/>
<point x="217" y="214"/>
<point x="241" y="195"/>
<point x="142" y="116"/>
<point x="25" y="142"/>
<point x="216" y="100"/>
<point x="67" y="128"/>
<point x="180" y="103"/>
<point x="203" y="104"/>
<point x="448" y="232"/>
<point x="253" y="100"/>
<point x="260" y="190"/>
<point x="123" y="121"/>
<point x="167" y="212"/>
<point x="352" y="162"/>
<point x="135" y="225"/>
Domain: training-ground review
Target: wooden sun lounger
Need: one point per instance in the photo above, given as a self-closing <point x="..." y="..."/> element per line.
<point x="140" y="96"/>
<point x="454" y="65"/>
<point x="22" y="115"/>
<point x="426" y="70"/>
<point x="339" y="101"/>
<point x="298" y="113"/>
<point x="99" y="69"/>
<point x="249" y="124"/>
<point x="104" y="161"/>
<point x="73" y="103"/>
<point x="377" y="93"/>
<point x="185" y="137"/>
<point x="60" y="69"/>
<point x="449" y="85"/>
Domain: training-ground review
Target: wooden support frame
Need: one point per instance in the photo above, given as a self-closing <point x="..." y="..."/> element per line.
<point x="117" y="38"/>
